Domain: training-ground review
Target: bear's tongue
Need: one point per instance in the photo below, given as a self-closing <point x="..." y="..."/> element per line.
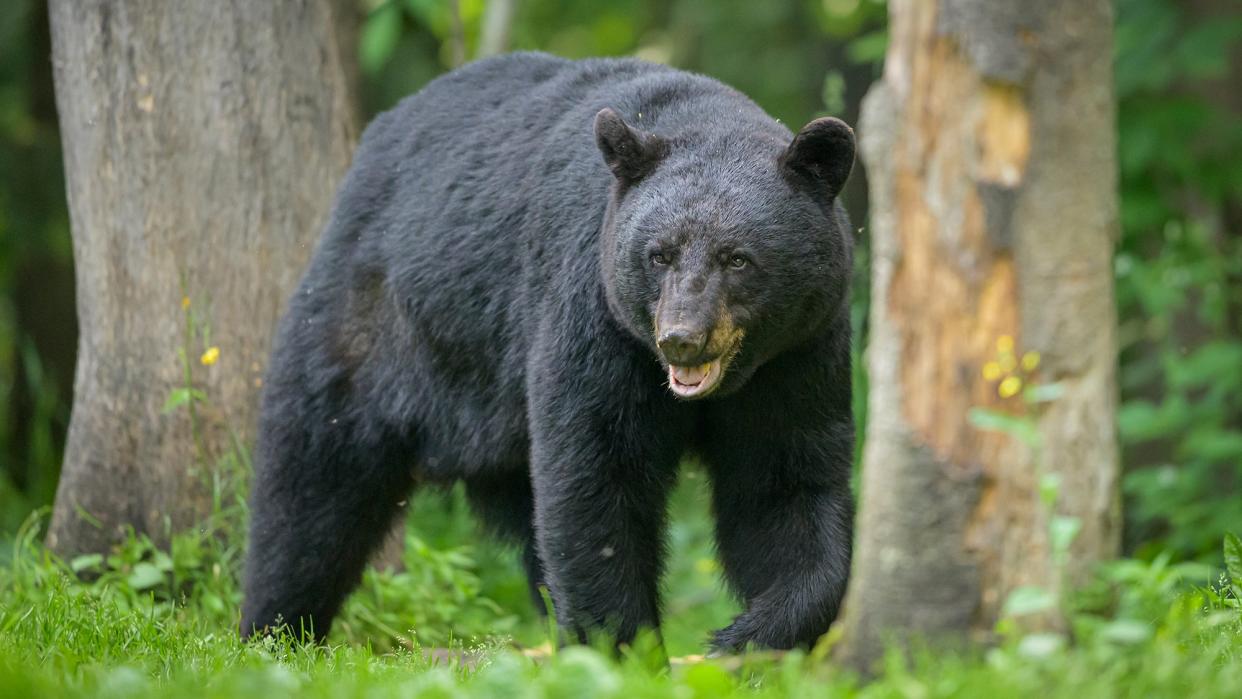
<point x="689" y="375"/>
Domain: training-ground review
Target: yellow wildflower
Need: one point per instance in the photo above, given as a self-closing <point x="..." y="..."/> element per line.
<point x="210" y="356"/>
<point x="1004" y="344"/>
<point x="185" y="302"/>
<point x="706" y="565"/>
<point x="1007" y="363"/>
<point x="1030" y="361"/>
<point x="991" y="371"/>
<point x="1009" y="387"/>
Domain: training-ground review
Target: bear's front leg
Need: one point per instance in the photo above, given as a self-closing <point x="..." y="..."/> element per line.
<point x="604" y="453"/>
<point x="786" y="548"/>
<point x="779" y="454"/>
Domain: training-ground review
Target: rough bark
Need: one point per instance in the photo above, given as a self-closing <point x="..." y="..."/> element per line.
<point x="989" y="144"/>
<point x="347" y="17"/>
<point x="202" y="144"/>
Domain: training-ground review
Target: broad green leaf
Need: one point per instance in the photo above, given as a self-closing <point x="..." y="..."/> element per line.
<point x="213" y="602"/>
<point x="86" y="561"/>
<point x="1127" y="631"/>
<point x="181" y="396"/>
<point x="1043" y="392"/>
<point x="380" y="33"/>
<point x="1040" y="645"/>
<point x="432" y="14"/>
<point x="1207" y="365"/>
<point x="1214" y="444"/>
<point x="1233" y="557"/>
<point x="162" y="561"/>
<point x="1204" y="50"/>
<point x="144" y="576"/>
<point x="1028" y="600"/>
<point x="1049" y="489"/>
<point x="1017" y="427"/>
<point x="1141" y="420"/>
<point x="1062" y="531"/>
<point x="867" y="48"/>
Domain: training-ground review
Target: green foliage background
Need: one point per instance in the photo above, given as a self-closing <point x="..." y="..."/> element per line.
<point x="144" y="621"/>
<point x="1178" y="275"/>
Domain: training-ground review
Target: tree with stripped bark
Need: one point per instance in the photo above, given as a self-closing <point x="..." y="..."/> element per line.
<point x="990" y="474"/>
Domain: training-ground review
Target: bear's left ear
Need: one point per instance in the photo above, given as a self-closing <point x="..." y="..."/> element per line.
<point x="630" y="154"/>
<point x="823" y="152"/>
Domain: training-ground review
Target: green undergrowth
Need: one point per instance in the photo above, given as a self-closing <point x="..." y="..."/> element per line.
<point x="146" y="622"/>
<point x="77" y="642"/>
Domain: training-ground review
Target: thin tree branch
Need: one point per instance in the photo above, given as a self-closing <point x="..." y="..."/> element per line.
<point x="497" y="23"/>
<point x="457" y="39"/>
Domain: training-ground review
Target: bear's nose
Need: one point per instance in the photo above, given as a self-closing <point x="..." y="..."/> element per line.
<point x="682" y="345"/>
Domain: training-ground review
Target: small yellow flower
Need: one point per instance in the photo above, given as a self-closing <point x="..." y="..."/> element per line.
<point x="210" y="356"/>
<point x="1004" y="344"/>
<point x="1009" y="387"/>
<point x="706" y="565"/>
<point x="991" y="371"/>
<point x="185" y="303"/>
<point x="1007" y="363"/>
<point x="1030" y="361"/>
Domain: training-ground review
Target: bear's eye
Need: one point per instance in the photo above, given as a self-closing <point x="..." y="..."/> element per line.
<point x="737" y="261"/>
<point x="661" y="258"/>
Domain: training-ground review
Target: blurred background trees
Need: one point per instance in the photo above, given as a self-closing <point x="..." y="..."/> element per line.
<point x="1178" y="266"/>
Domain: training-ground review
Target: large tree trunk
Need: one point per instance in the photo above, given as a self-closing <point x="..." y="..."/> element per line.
<point x="202" y="142"/>
<point x="990" y="149"/>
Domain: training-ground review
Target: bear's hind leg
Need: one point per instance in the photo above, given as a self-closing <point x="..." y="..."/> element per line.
<point x="506" y="505"/>
<point x="327" y="489"/>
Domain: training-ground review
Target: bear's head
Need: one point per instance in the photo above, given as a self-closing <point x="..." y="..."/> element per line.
<point x="724" y="248"/>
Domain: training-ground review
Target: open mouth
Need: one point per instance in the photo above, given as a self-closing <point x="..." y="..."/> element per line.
<point x="694" y="381"/>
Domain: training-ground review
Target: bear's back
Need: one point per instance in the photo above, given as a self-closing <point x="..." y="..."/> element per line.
<point x="472" y="213"/>
<point x="496" y="163"/>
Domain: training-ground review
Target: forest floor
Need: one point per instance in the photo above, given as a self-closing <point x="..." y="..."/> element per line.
<point x="162" y="623"/>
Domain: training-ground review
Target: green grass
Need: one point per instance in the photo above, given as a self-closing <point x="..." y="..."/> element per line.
<point x="154" y="623"/>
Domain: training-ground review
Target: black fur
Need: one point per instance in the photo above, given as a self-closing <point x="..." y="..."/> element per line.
<point x="513" y="255"/>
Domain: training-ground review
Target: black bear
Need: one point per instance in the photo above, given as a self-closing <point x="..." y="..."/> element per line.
<point x="552" y="280"/>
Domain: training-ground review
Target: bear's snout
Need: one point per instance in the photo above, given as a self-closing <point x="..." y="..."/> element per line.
<point x="683" y="344"/>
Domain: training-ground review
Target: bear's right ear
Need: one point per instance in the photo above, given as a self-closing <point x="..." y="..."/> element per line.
<point x="629" y="153"/>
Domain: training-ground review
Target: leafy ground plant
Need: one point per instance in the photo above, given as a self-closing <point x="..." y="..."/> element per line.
<point x="1141" y="630"/>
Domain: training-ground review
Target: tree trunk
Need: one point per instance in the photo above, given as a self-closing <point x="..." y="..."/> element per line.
<point x="203" y="142"/>
<point x="989" y="144"/>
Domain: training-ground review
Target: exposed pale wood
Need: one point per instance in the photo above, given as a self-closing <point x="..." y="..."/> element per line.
<point x="990" y="153"/>
<point x="202" y="142"/>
